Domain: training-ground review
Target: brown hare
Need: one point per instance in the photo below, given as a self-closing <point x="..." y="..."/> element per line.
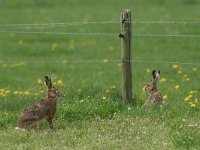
<point x="155" y="97"/>
<point x="44" y="109"/>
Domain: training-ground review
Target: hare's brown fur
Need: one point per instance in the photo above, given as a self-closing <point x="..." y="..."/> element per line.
<point x="44" y="109"/>
<point x="154" y="95"/>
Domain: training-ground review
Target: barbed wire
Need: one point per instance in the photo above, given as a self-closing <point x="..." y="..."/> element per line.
<point x="103" y="34"/>
<point x="111" y="21"/>
<point x="104" y="61"/>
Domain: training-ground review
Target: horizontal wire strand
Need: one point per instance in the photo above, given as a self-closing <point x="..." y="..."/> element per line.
<point x="104" y="34"/>
<point x="98" y="61"/>
<point x="112" y="21"/>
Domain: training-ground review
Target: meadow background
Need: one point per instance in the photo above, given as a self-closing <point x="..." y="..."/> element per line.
<point x="92" y="114"/>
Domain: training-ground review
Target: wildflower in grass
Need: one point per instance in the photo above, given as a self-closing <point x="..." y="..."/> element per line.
<point x="81" y="101"/>
<point x="187" y="99"/>
<point x="104" y="98"/>
<point x="16" y="92"/>
<point x="39" y="81"/>
<point x="175" y="66"/>
<point x="192" y="105"/>
<point x="193" y="91"/>
<point x="54" y="83"/>
<point x="119" y="65"/>
<point x="180" y="72"/>
<point x="185" y="77"/>
<point x="27" y="93"/>
<point x="60" y="82"/>
<point x="165" y="97"/>
<point x="163" y="80"/>
<point x="20" y="42"/>
<point x="113" y="87"/>
<point x="177" y="87"/>
<point x="196" y="101"/>
<point x="148" y="70"/>
<point x="105" y="61"/>
<point x="194" y="69"/>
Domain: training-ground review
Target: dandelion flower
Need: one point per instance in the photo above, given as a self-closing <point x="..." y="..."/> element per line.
<point x="105" y="61"/>
<point x="16" y="92"/>
<point x="148" y="70"/>
<point x="113" y="87"/>
<point x="175" y="66"/>
<point x="193" y="92"/>
<point x="192" y="105"/>
<point x="163" y="80"/>
<point x="196" y="101"/>
<point x="39" y="81"/>
<point x="164" y="97"/>
<point x="20" y="42"/>
<point x="194" y="69"/>
<point x="103" y="98"/>
<point x="180" y="72"/>
<point x="177" y="87"/>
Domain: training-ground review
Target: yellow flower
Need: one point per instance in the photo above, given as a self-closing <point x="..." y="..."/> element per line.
<point x="188" y="98"/>
<point x="196" y="101"/>
<point x="193" y="92"/>
<point x="107" y="91"/>
<point x="187" y="79"/>
<point x="177" y="87"/>
<point x="60" y="82"/>
<point x="148" y="70"/>
<point x="113" y="87"/>
<point x="180" y="72"/>
<point x="194" y="69"/>
<point x="54" y="83"/>
<point x="164" y="97"/>
<point x="119" y="65"/>
<point x="20" y="42"/>
<point x="39" y="81"/>
<point x="16" y="92"/>
<point x="103" y="98"/>
<point x="27" y="93"/>
<point x="192" y="105"/>
<point x="105" y="61"/>
<point x="175" y="66"/>
<point x="163" y="80"/>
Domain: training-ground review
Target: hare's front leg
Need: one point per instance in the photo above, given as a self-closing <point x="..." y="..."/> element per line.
<point x="49" y="119"/>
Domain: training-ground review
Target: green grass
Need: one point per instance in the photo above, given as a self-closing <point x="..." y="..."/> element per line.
<point x="92" y="115"/>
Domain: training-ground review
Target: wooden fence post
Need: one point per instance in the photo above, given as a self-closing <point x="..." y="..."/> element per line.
<point x="125" y="35"/>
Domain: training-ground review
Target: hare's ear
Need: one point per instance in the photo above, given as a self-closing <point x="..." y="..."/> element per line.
<point x="155" y="75"/>
<point x="48" y="81"/>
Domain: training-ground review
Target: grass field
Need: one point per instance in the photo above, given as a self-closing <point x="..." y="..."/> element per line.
<point x="92" y="115"/>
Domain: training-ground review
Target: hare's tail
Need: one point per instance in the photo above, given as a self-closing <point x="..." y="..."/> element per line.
<point x="20" y="129"/>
